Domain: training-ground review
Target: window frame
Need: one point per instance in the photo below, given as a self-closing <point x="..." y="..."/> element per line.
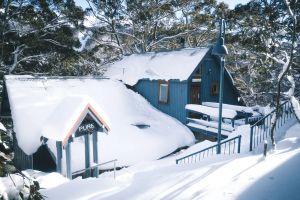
<point x="159" y="91"/>
<point x="214" y="88"/>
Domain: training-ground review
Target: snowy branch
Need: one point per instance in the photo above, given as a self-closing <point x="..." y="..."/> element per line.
<point x="16" y="54"/>
<point x="170" y="37"/>
<point x="55" y="43"/>
<point x="287" y="3"/>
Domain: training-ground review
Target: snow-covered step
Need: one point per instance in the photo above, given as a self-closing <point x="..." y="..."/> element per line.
<point x="212" y="124"/>
<point x="213" y="112"/>
<point x="207" y="130"/>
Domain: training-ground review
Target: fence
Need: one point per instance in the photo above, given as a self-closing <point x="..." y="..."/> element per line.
<point x="94" y="169"/>
<point x="262" y="128"/>
<point x="229" y="146"/>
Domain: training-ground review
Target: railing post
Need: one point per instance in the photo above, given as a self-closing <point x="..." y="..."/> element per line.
<point x="265" y="148"/>
<point x="251" y="137"/>
<point x="239" y="144"/>
<point x="114" y="170"/>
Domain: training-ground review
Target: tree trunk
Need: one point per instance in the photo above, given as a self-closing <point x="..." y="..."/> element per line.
<point x="113" y="27"/>
<point x="277" y="113"/>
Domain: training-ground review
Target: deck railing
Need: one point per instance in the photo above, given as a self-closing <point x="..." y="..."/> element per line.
<point x="261" y="130"/>
<point x="229" y="146"/>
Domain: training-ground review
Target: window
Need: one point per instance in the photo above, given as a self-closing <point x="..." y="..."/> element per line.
<point x="214" y="89"/>
<point x="163" y="92"/>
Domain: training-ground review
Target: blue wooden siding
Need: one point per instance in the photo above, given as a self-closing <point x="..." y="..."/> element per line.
<point x="179" y="92"/>
<point x="178" y="97"/>
<point x="21" y="160"/>
<point x="210" y="73"/>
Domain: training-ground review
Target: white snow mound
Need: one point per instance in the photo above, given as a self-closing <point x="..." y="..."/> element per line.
<point x="34" y="102"/>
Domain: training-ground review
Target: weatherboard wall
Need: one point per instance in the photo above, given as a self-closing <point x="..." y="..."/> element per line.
<point x="211" y="73"/>
<point x="179" y="91"/>
<point x="21" y="160"/>
<point x="178" y="96"/>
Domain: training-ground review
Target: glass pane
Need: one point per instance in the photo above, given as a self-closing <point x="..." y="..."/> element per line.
<point x="163" y="93"/>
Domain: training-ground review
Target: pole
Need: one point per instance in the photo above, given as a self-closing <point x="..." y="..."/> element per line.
<point x="220" y="103"/>
<point x="58" y="156"/>
<point x="95" y="153"/>
<point x="68" y="160"/>
<point x="87" y="154"/>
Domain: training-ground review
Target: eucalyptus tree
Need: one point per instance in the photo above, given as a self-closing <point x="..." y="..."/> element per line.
<point x="38" y="36"/>
<point x="259" y="31"/>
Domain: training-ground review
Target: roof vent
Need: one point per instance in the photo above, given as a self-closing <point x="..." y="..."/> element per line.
<point x="141" y="125"/>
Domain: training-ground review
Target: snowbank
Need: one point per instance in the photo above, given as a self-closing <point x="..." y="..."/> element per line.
<point x="246" y="176"/>
<point x="154" y="66"/>
<point x="33" y="101"/>
<point x="13" y="185"/>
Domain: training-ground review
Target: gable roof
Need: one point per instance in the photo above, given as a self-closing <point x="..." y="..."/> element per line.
<point x="36" y="102"/>
<point x="61" y="125"/>
<point x="177" y="64"/>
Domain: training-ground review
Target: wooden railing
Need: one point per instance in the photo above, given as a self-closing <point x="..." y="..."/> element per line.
<point x="94" y="169"/>
<point x="229" y="146"/>
<point x="261" y="130"/>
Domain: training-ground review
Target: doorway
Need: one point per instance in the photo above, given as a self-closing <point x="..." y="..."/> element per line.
<point x="43" y="160"/>
<point x="195" y="97"/>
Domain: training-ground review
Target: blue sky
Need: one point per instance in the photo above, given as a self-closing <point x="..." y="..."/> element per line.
<point x="231" y="3"/>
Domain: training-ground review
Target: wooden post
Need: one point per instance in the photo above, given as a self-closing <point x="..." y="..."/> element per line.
<point x="95" y="153"/>
<point x="87" y="155"/>
<point x="265" y="148"/>
<point x="68" y="160"/>
<point x="239" y="144"/>
<point x="251" y="138"/>
<point x="58" y="156"/>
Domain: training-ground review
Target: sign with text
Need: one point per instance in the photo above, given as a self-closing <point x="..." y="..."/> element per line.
<point x="87" y="126"/>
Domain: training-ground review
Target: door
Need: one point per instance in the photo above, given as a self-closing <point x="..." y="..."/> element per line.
<point x="195" y="94"/>
<point x="195" y="98"/>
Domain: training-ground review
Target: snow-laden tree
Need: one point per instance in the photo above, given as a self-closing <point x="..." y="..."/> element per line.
<point x="38" y="36"/>
<point x="287" y="64"/>
<point x="259" y="30"/>
<point x="124" y="27"/>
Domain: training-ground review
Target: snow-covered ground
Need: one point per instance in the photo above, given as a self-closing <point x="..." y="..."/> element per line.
<point x="244" y="176"/>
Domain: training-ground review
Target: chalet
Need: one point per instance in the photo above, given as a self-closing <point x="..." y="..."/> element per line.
<point x="67" y="124"/>
<point x="171" y="80"/>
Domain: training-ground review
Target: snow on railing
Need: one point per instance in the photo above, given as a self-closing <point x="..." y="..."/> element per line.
<point x="229" y="146"/>
<point x="261" y="130"/>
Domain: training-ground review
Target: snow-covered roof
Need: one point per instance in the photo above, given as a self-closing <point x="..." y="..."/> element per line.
<point x="61" y="125"/>
<point x="177" y="64"/>
<point x="46" y="106"/>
